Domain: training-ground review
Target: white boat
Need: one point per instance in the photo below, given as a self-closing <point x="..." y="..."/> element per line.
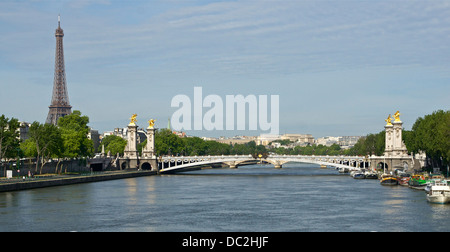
<point x="357" y="174"/>
<point x="439" y="192"/>
<point x="434" y="178"/>
<point x="428" y="187"/>
<point x="370" y="175"/>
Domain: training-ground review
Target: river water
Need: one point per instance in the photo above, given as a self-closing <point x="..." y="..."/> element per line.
<point x="298" y="197"/>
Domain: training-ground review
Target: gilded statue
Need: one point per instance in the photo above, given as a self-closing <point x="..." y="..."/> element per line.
<point x="397" y="116"/>
<point x="133" y="119"/>
<point x="151" y="123"/>
<point x="388" y="120"/>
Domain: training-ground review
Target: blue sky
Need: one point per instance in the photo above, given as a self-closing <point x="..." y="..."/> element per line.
<point x="339" y="67"/>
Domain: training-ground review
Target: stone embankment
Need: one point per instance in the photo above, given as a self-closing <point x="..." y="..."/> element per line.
<point x="25" y="183"/>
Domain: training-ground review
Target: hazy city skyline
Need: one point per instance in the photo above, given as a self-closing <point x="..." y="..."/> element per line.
<point x="339" y="67"/>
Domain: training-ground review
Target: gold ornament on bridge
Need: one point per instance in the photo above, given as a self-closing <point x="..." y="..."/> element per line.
<point x="151" y="123"/>
<point x="133" y="119"/>
<point x="388" y="120"/>
<point x="397" y="116"/>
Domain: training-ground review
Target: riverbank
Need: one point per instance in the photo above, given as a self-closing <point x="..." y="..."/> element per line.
<point x="16" y="184"/>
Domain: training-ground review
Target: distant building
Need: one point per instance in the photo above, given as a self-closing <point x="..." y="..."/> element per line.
<point x="122" y="132"/>
<point x="236" y="140"/>
<point x="327" y="141"/>
<point x="23" y="130"/>
<point x="95" y="137"/>
<point x="302" y="139"/>
<point x="179" y="133"/>
<point x="343" y="141"/>
<point x="266" y="139"/>
<point x="348" y="141"/>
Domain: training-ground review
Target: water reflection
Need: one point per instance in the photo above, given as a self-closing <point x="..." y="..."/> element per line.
<point x="393" y="199"/>
<point x="131" y="186"/>
<point x="6" y="199"/>
<point x="150" y="190"/>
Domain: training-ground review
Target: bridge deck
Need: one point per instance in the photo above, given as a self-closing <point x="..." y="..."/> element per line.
<point x="190" y="163"/>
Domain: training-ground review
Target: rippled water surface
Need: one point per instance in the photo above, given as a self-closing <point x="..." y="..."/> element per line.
<point x="298" y="197"/>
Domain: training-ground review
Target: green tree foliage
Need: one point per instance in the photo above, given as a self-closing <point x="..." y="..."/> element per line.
<point x="114" y="144"/>
<point x="216" y="148"/>
<point x="431" y="134"/>
<point x="194" y="146"/>
<point x="28" y="148"/>
<point x="47" y="140"/>
<point x="9" y="137"/>
<point x="249" y="148"/>
<point x="167" y="143"/>
<point x="371" y="144"/>
<point x="320" y="149"/>
<point x="74" y="131"/>
<point x="68" y="139"/>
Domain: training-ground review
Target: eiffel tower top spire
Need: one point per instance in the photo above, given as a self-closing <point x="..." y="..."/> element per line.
<point x="60" y="105"/>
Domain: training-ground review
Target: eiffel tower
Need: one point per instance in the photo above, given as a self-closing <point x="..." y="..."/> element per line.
<point x="60" y="99"/>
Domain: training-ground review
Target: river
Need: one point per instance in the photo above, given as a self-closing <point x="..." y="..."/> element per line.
<point x="298" y="197"/>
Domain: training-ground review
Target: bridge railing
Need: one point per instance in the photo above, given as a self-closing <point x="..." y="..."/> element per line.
<point x="350" y="161"/>
<point x="203" y="158"/>
<point x="270" y="156"/>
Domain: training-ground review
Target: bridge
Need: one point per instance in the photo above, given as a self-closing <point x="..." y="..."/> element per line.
<point x="394" y="157"/>
<point x="181" y="164"/>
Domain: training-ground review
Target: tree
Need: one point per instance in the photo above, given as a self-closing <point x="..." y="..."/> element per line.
<point x="74" y="131"/>
<point x="9" y="137"/>
<point x="48" y="141"/>
<point x="114" y="144"/>
<point x="216" y="148"/>
<point x="370" y="144"/>
<point x="28" y="148"/>
<point x="334" y="150"/>
<point x="194" y="146"/>
<point x="431" y="135"/>
<point x="446" y="136"/>
<point x="167" y="143"/>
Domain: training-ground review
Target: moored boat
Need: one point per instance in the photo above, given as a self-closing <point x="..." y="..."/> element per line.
<point x="439" y="192"/>
<point x="387" y="179"/>
<point x="403" y="179"/>
<point x="436" y="177"/>
<point x="417" y="182"/>
<point x="358" y="175"/>
<point x="371" y="175"/>
<point x="433" y="178"/>
<point x="428" y="187"/>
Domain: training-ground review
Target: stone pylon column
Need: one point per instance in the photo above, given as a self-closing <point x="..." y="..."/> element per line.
<point x="394" y="146"/>
<point x="389" y="142"/>
<point x="389" y="138"/>
<point x="149" y="149"/>
<point x="399" y="148"/>
<point x="397" y="135"/>
<point x="131" y="148"/>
